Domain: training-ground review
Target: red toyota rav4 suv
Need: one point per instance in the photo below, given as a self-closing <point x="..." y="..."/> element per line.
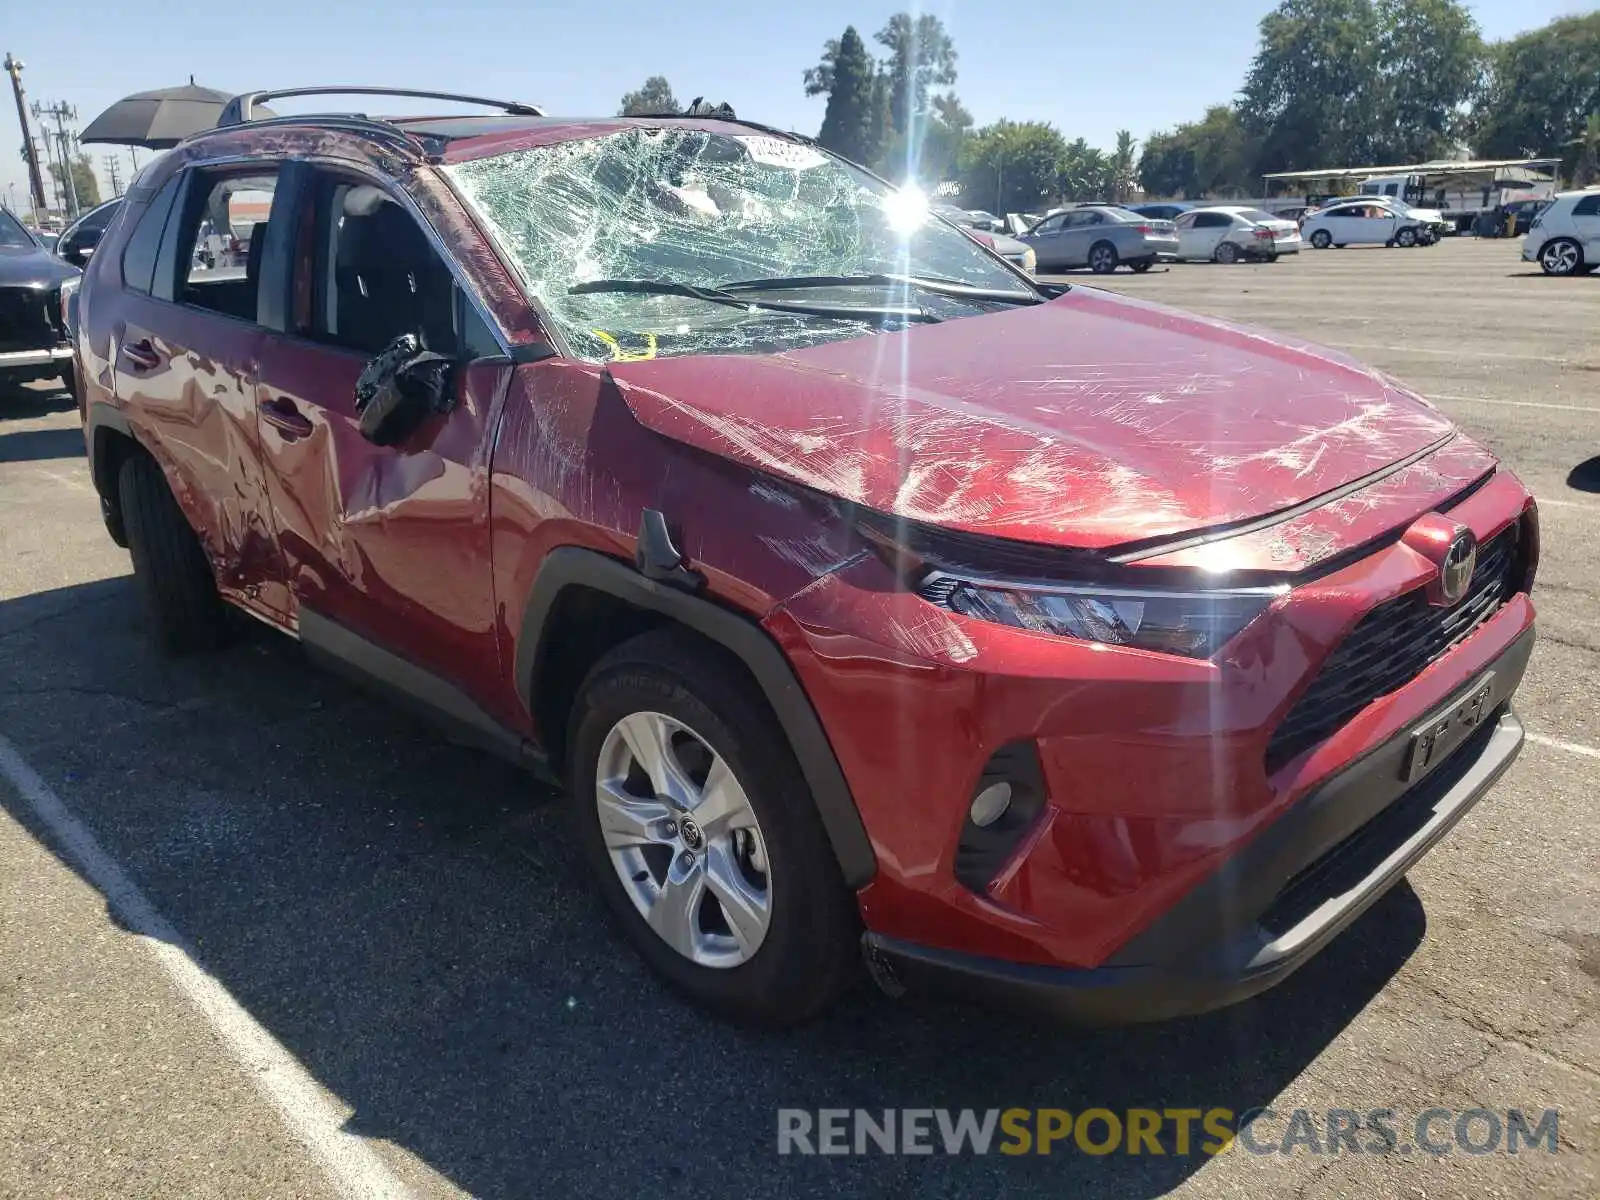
<point x="866" y="595"/>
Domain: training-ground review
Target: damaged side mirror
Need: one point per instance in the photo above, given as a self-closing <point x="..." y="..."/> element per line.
<point x="400" y="389"/>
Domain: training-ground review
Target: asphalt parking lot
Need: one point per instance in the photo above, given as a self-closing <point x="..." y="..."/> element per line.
<point x="220" y="876"/>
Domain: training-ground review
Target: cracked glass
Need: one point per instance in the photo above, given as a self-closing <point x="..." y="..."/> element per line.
<point x="710" y="210"/>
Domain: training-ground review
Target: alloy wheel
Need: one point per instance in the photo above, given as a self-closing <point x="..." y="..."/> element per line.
<point x="1559" y="258"/>
<point x="1103" y="260"/>
<point x="684" y="839"/>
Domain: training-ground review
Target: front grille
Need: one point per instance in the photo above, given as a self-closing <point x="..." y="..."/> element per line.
<point x="27" y="319"/>
<point x="1390" y="646"/>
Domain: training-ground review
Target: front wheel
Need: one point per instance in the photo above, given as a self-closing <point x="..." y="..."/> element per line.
<point x="1322" y="239"/>
<point x="1563" y="256"/>
<point x="1406" y="238"/>
<point x="702" y="836"/>
<point x="1102" y="258"/>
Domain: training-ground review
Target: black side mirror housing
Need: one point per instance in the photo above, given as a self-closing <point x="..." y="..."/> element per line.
<point x="77" y="250"/>
<point x="400" y="389"/>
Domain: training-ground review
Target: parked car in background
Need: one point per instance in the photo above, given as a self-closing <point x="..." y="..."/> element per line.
<point x="78" y="240"/>
<point x="1018" y="253"/>
<point x="1164" y="210"/>
<point x="1362" y="223"/>
<point x="1523" y="213"/>
<point x="1101" y="237"/>
<point x="1565" y="237"/>
<point x="1429" y="223"/>
<point x="1228" y="233"/>
<point x="880" y="609"/>
<point x="985" y="221"/>
<point x="33" y="330"/>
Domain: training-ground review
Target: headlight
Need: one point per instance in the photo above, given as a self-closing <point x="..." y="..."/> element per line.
<point x="1196" y="624"/>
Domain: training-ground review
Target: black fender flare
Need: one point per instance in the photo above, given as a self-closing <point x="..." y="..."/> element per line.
<point x="570" y="566"/>
<point x="104" y="416"/>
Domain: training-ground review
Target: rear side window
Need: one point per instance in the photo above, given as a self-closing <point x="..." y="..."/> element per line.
<point x="216" y="251"/>
<point x="144" y="244"/>
<point x="1587" y="207"/>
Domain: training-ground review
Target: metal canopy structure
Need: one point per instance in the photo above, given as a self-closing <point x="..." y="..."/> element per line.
<point x="1466" y="172"/>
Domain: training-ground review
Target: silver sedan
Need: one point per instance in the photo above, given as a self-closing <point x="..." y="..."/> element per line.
<point x="1101" y="237"/>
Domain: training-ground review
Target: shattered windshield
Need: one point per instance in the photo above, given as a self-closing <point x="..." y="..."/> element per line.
<point x="708" y="211"/>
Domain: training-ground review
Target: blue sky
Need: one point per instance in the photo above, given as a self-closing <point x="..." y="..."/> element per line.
<point x="1088" y="68"/>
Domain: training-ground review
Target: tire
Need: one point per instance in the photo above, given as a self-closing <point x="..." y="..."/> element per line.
<point x="1321" y="239"/>
<point x="1139" y="268"/>
<point x="1561" y="256"/>
<point x="671" y="688"/>
<point x="1227" y="252"/>
<point x="1406" y="238"/>
<point x="1103" y="258"/>
<point x="180" y="594"/>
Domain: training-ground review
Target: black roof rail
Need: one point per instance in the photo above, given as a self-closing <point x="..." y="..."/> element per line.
<point x="239" y="110"/>
<point x="726" y="118"/>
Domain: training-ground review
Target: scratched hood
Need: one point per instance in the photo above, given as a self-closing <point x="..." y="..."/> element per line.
<point x="1089" y="421"/>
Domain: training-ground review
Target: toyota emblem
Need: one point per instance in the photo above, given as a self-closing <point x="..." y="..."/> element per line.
<point x="1455" y="573"/>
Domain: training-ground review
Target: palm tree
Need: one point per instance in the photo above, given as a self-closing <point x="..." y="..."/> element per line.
<point x="1122" y="167"/>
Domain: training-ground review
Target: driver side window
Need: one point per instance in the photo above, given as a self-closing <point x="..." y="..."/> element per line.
<point x="366" y="272"/>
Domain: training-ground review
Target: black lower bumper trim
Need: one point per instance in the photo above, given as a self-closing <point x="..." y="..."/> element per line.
<point x="1223" y="945"/>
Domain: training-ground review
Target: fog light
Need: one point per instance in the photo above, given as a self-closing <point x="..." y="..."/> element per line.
<point x="989" y="805"/>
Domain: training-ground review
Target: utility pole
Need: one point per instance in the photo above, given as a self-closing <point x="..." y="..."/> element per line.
<point x="111" y="172"/>
<point x="62" y="113"/>
<point x="35" y="180"/>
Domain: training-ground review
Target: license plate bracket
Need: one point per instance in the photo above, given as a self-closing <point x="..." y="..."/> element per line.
<point x="1433" y="741"/>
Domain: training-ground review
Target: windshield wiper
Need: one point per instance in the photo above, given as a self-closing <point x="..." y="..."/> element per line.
<point x="713" y="295"/>
<point x="938" y="286"/>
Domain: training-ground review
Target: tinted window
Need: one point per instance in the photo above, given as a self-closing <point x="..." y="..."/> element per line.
<point x="1588" y="206"/>
<point x="1256" y="214"/>
<point x="374" y="275"/>
<point x="1212" y="220"/>
<point x="100" y="217"/>
<point x="139" y="256"/>
<point x="13" y="234"/>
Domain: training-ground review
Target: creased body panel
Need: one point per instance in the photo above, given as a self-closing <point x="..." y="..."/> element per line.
<point x="1089" y="421"/>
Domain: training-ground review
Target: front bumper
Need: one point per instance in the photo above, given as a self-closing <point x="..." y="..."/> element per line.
<point x="1271" y="907"/>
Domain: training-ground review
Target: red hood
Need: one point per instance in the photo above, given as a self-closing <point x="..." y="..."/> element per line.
<point x="1089" y="421"/>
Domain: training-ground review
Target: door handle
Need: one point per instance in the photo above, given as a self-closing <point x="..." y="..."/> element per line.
<point x="142" y="355"/>
<point x="283" y="415"/>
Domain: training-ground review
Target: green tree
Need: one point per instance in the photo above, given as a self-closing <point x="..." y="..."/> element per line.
<point x="1123" y="175"/>
<point x="1011" y="166"/>
<point x="1312" y="96"/>
<point x="921" y="57"/>
<point x="846" y="125"/>
<point x="84" y="185"/>
<point x="1083" y="173"/>
<point x="1430" y="59"/>
<point x="1587" y="171"/>
<point x="1542" y="87"/>
<point x="655" y="96"/>
<point x="1212" y="157"/>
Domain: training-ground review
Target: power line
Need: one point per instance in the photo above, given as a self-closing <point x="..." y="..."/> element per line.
<point x="65" y="139"/>
<point x="114" y="174"/>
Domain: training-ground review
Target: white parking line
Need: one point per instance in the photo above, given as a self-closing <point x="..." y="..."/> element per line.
<point x="1583" y="408"/>
<point x="1570" y="747"/>
<point x="309" y="1111"/>
<point x="1450" y="351"/>
<point x="1543" y="503"/>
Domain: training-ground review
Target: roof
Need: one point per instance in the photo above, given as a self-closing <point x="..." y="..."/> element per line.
<point x="1442" y="166"/>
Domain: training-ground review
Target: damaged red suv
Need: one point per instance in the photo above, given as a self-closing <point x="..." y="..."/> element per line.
<point x="871" y="600"/>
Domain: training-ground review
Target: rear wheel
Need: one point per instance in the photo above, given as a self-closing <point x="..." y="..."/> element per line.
<point x="1562" y="256"/>
<point x="1140" y="268"/>
<point x="702" y="835"/>
<point x="1103" y="258"/>
<point x="180" y="593"/>
<point x="1227" y="252"/>
<point x="1322" y="239"/>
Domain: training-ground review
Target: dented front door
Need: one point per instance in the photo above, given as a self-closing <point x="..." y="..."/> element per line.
<point x="392" y="543"/>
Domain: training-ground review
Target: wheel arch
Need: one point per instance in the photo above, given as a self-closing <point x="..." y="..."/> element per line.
<point x="110" y="441"/>
<point x="546" y="688"/>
